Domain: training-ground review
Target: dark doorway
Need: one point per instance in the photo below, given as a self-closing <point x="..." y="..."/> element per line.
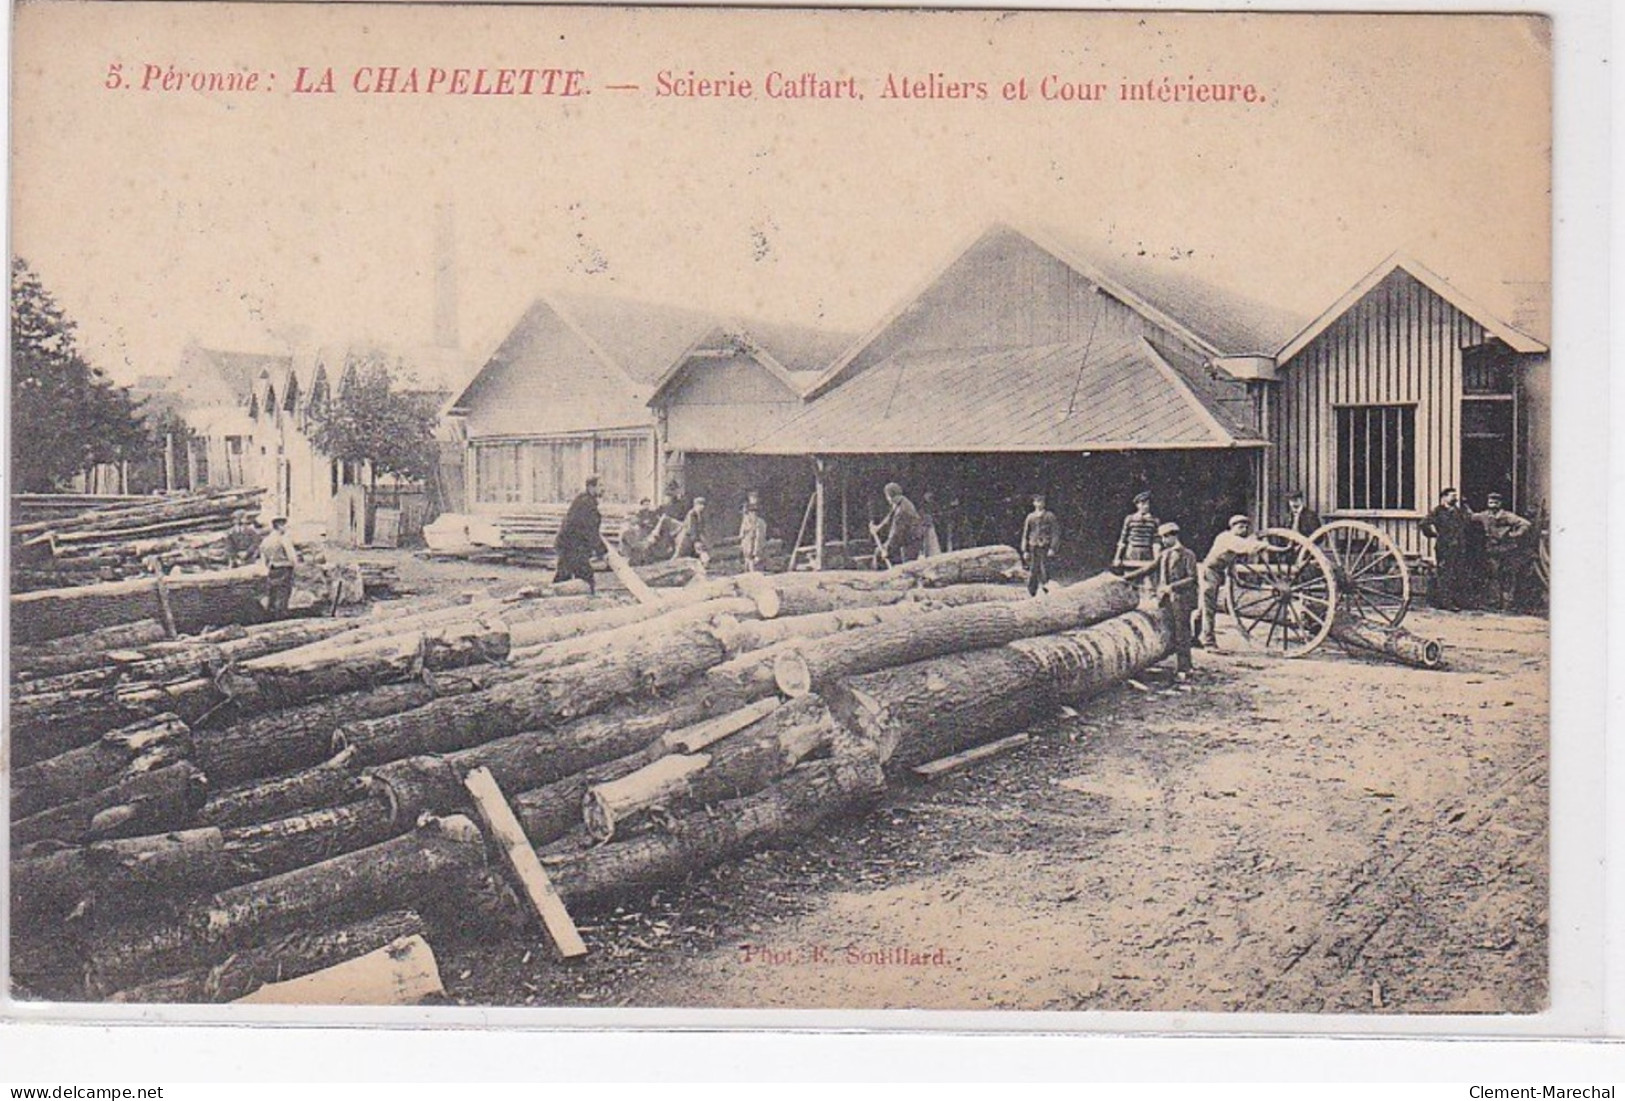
<point x="1489" y="425"/>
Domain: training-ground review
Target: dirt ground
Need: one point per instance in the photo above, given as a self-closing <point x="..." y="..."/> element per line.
<point x="1333" y="834"/>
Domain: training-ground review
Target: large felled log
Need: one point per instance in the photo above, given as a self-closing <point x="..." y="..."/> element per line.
<point x="532" y="759"/>
<point x="130" y="750"/>
<point x="302" y="737"/>
<point x="309" y="673"/>
<point x="536" y="702"/>
<point x="799" y="594"/>
<point x="973" y="564"/>
<point x="48" y="725"/>
<point x="205" y="658"/>
<point x="930" y="709"/>
<point x="564" y="651"/>
<point x="814" y="793"/>
<point x="195" y="600"/>
<point x="147" y="802"/>
<point x="88" y="650"/>
<point x="1391" y="642"/>
<point x="429" y="868"/>
<point x="813" y="664"/>
<point x="74" y="681"/>
<point x="330" y="783"/>
<point x="734" y="765"/>
<point x="118" y="878"/>
<point x="403" y="972"/>
<point x="285" y="957"/>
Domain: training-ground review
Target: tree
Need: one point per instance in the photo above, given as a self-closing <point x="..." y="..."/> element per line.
<point x="66" y="415"/>
<point x="370" y="421"/>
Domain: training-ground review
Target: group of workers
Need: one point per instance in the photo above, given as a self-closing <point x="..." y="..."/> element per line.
<point x="1468" y="545"/>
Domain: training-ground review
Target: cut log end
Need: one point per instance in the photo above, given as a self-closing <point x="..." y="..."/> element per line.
<point x="791" y="674"/>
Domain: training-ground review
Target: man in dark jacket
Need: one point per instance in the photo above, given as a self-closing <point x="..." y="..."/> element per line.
<point x="580" y="537"/>
<point x="1447" y="526"/>
<point x="905" y="533"/>
<point x="1299" y="516"/>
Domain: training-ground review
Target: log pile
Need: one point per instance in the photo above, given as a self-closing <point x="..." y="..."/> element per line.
<point x="254" y="820"/>
<point x="126" y="537"/>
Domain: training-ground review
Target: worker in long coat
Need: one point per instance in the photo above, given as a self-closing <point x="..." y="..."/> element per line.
<point x="1448" y="526"/>
<point x="580" y="537"/>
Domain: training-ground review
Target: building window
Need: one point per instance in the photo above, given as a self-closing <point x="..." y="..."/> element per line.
<point x="623" y="468"/>
<point x="1376" y="458"/>
<point x="496" y="473"/>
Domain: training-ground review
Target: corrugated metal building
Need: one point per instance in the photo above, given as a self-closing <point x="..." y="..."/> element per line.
<point x="1401" y="388"/>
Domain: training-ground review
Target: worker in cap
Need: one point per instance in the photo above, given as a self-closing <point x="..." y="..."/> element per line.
<point x="1040" y="537"/>
<point x="690" y="540"/>
<point x="1175" y="579"/>
<point x="1137" y="542"/>
<point x="1504" y="532"/>
<point x="1229" y="545"/>
<point x="904" y="532"/>
<point x="1449" y="525"/>
<point x="280" y="556"/>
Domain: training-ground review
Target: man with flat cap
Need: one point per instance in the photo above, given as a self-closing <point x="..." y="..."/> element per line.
<point x="280" y="557"/>
<point x="580" y="537"/>
<point x="1234" y="542"/>
<point x="1503" y="549"/>
<point x="1176" y="590"/>
<point x="1137" y="543"/>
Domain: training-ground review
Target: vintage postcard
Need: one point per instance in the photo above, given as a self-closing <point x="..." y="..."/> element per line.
<point x="599" y="508"/>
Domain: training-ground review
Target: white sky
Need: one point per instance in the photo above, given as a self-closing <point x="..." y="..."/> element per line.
<point x="233" y="218"/>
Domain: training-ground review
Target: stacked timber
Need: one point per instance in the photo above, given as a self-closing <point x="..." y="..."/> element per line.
<point x="126" y="537"/>
<point x="259" y="819"/>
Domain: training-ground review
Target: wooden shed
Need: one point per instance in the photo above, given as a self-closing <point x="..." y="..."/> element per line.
<point x="1403" y="387"/>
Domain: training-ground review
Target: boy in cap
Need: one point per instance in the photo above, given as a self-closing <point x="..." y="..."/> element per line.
<point x="280" y="557"/>
<point x="691" y="536"/>
<point x="1176" y="590"/>
<point x="1137" y="544"/>
<point x="1230" y="544"/>
<point x="1040" y="535"/>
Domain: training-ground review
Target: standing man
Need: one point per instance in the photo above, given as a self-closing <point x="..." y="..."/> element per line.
<point x="1040" y="535"/>
<point x="1230" y="544"/>
<point x="1447" y="526"/>
<point x="280" y="557"/>
<point x="1176" y="590"/>
<point x="1300" y="517"/>
<point x="1137" y="545"/>
<point x="1503" y="549"/>
<point x="580" y="537"/>
<point x="905" y="534"/>
<point x="753" y="534"/>
<point x="691" y="536"/>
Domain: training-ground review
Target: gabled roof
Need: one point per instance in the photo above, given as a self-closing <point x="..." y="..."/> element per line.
<point x="591" y="360"/>
<point x="1212" y="321"/>
<point x="795" y="355"/>
<point x="1077" y="396"/>
<point x="1513" y="338"/>
<point x="1223" y="321"/>
<point x="214" y="376"/>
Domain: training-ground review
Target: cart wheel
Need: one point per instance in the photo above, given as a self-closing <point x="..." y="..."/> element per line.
<point x="1282" y="599"/>
<point x="1372" y="578"/>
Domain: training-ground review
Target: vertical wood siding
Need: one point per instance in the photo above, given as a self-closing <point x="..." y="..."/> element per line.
<point x="1399" y="345"/>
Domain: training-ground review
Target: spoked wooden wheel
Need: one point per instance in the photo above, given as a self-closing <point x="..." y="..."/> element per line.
<point x="1372" y="578"/>
<point x="1282" y="599"/>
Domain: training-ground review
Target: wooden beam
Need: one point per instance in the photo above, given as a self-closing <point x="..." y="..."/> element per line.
<point x="932" y="769"/>
<point x="499" y="820"/>
<point x="629" y="577"/>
